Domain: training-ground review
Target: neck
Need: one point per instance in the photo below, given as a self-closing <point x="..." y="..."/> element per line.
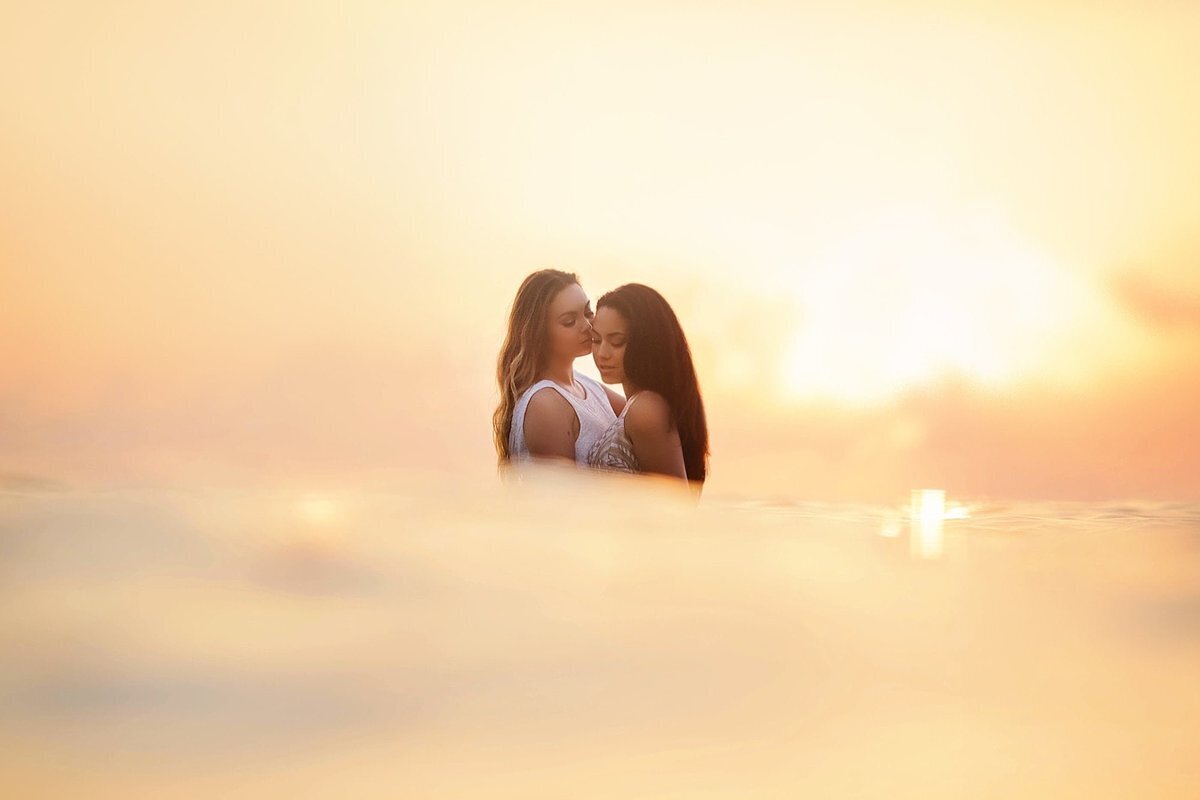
<point x="560" y="371"/>
<point x="630" y="389"/>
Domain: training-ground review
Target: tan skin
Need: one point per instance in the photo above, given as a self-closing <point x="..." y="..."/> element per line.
<point x="648" y="424"/>
<point x="551" y="425"/>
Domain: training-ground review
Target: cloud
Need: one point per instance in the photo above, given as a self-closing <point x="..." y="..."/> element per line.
<point x="1167" y="309"/>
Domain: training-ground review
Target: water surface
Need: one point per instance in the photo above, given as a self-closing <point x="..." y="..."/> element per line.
<point x="566" y="639"/>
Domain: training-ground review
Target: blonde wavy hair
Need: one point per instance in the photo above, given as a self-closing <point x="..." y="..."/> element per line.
<point x="523" y="354"/>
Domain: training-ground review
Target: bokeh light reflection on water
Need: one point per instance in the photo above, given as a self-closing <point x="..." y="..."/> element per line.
<point x="591" y="639"/>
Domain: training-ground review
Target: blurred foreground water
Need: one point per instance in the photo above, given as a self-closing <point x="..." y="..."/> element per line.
<point x="591" y="639"/>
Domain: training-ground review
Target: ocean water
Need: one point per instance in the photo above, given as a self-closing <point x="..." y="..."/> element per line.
<point x="583" y="638"/>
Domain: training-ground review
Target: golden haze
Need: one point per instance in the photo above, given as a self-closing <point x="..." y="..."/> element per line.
<point x="943" y="244"/>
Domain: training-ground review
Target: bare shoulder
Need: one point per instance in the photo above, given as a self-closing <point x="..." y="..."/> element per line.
<point x="547" y="407"/>
<point x="551" y="425"/>
<point x="652" y="432"/>
<point x="649" y="414"/>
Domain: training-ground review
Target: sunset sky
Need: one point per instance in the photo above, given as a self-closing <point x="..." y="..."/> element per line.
<point x="913" y="244"/>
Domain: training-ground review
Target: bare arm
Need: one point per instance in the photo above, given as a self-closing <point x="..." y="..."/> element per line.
<point x="615" y="400"/>
<point x="654" y="437"/>
<point x="551" y="426"/>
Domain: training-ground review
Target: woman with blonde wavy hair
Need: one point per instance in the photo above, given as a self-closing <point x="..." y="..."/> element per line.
<point x="547" y="410"/>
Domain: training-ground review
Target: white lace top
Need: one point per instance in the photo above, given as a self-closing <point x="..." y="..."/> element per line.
<point x="594" y="412"/>
<point x="613" y="451"/>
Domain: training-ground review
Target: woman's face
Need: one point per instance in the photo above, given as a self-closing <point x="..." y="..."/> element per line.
<point x="609" y="334"/>
<point x="570" y="323"/>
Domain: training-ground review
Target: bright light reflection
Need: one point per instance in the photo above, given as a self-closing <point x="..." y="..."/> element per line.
<point x="926" y="516"/>
<point x="957" y="512"/>
<point x="927" y="513"/>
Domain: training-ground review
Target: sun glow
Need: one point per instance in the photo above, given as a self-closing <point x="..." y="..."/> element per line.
<point x="914" y="295"/>
<point x="324" y="522"/>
